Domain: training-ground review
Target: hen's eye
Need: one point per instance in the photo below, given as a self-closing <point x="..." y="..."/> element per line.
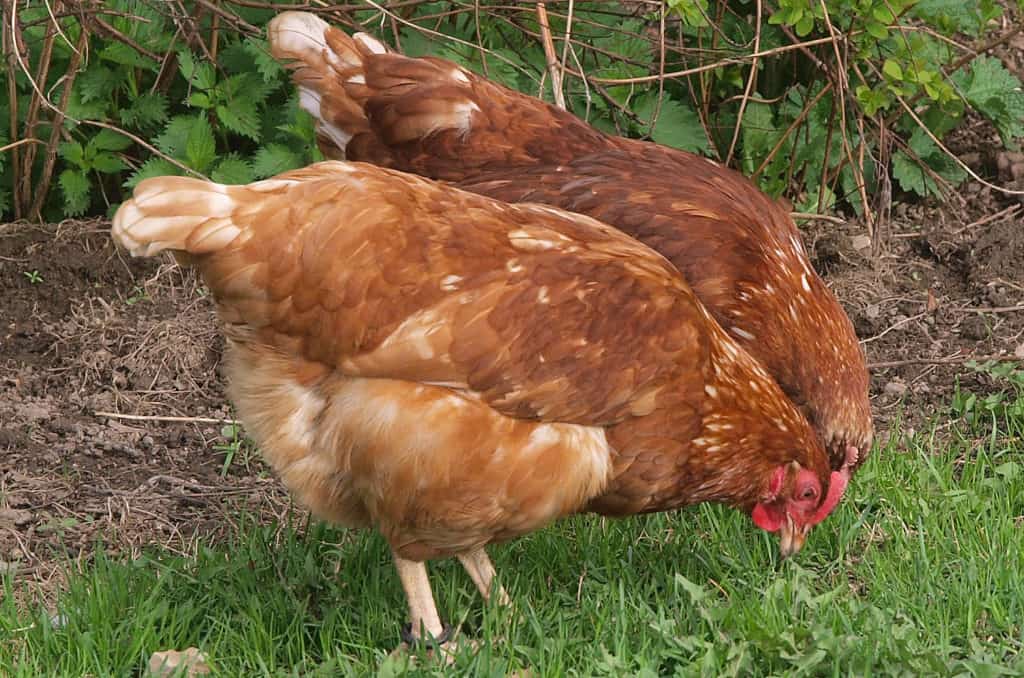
<point x="809" y="493"/>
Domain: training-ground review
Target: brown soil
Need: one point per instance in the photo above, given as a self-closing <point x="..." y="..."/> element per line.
<point x="99" y="333"/>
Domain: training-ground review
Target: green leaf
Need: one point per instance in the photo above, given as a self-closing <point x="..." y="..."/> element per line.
<point x="200" y="147"/>
<point x="233" y="170"/>
<point x="154" y="167"/>
<point x="912" y="177"/>
<point x="266" y="65"/>
<point x="274" y="159"/>
<point x="119" y="53"/>
<point x="805" y="25"/>
<point x="893" y="70"/>
<point x="996" y="93"/>
<point x="198" y="100"/>
<point x="174" y="138"/>
<point x="74" y="184"/>
<point x="108" y="163"/>
<point x="146" y="110"/>
<point x="883" y="14"/>
<point x="72" y="152"/>
<point x="97" y="83"/>
<point x="877" y="30"/>
<point x="109" y="140"/>
<point x="241" y="117"/>
<point x="677" y="125"/>
<point x="200" y="75"/>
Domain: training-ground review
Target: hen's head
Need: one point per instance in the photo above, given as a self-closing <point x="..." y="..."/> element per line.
<point x="794" y="500"/>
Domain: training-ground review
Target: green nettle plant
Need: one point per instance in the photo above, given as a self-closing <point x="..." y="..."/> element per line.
<point x="832" y="102"/>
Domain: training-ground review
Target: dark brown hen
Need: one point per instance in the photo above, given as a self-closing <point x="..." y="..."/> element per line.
<point x="739" y="250"/>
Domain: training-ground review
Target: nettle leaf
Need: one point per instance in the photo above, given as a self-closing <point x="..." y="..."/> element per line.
<point x="72" y="152"/>
<point x="109" y="140"/>
<point x="912" y="177"/>
<point x="233" y="170"/>
<point x="97" y="83"/>
<point x="241" y="117"/>
<point x="274" y="159"/>
<point x="154" y="167"/>
<point x="74" y="184"/>
<point x="996" y="93"/>
<point x="200" y="146"/>
<point x="246" y="88"/>
<point x="173" y="139"/>
<point x="80" y="109"/>
<point x="267" y="66"/>
<point x="120" y="53"/>
<point x="146" y="110"/>
<point x="108" y="163"/>
<point x="950" y="15"/>
<point x="677" y="125"/>
<point x="200" y="75"/>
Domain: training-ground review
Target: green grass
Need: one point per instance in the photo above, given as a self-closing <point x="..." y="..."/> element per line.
<point x="919" y="573"/>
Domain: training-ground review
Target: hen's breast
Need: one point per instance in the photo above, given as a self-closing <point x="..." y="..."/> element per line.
<point x="438" y="472"/>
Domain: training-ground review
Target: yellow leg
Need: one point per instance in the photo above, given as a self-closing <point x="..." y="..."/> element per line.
<point x="481" y="571"/>
<point x="422" y="611"/>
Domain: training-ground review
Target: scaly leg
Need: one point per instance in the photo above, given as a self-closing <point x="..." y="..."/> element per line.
<point x="481" y="571"/>
<point x="423" y="615"/>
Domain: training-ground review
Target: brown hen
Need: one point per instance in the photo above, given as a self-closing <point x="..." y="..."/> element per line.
<point x="455" y="371"/>
<point x="738" y="249"/>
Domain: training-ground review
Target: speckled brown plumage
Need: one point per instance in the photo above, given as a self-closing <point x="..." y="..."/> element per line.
<point x="453" y="370"/>
<point x="740" y="250"/>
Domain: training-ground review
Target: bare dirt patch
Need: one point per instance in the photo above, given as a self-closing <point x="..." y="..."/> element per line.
<point x="85" y="330"/>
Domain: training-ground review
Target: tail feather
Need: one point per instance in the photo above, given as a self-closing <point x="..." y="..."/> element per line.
<point x="176" y="213"/>
<point x="324" y="61"/>
<point x="364" y="97"/>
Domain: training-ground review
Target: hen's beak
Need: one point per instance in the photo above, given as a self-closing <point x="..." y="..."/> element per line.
<point x="791" y="537"/>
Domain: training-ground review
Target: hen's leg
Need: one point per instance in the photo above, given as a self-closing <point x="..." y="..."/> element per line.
<point x="423" y="616"/>
<point x="481" y="571"/>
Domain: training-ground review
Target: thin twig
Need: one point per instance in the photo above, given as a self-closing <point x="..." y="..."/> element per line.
<point x="146" y="417"/>
<point x="748" y="89"/>
<point x="958" y="360"/>
<point x="817" y="217"/>
<point x="892" y="327"/>
<point x="549" y="56"/>
<point x="708" y="67"/>
<point x="20" y="142"/>
<point x="985" y="220"/>
<point x="993" y="309"/>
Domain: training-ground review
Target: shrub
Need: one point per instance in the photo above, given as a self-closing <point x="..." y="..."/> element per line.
<point x="824" y="100"/>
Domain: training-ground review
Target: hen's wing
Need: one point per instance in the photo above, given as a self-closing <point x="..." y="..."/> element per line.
<point x="425" y="115"/>
<point x="540" y="313"/>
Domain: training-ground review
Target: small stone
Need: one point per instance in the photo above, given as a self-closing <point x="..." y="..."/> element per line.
<point x="895" y="388"/>
<point x="15" y="517"/>
<point x="860" y="242"/>
<point x="187" y="664"/>
<point x="1019" y="352"/>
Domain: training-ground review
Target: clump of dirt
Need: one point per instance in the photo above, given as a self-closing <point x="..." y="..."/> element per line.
<point x="88" y="335"/>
